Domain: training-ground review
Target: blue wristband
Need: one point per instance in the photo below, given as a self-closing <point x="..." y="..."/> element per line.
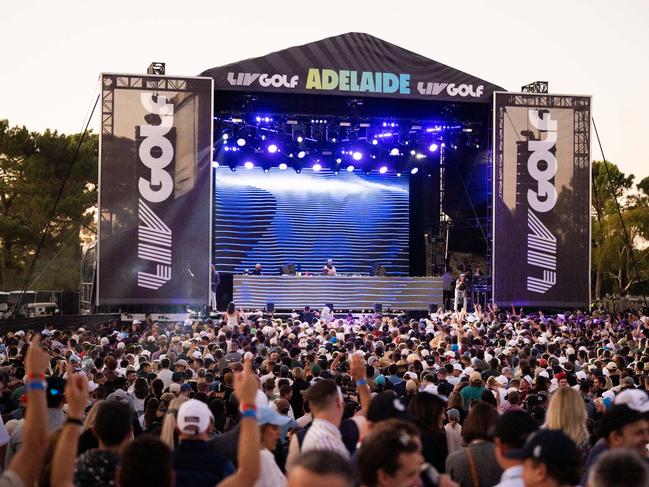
<point x="36" y="385"/>
<point x="361" y="382"/>
<point x="249" y="413"/>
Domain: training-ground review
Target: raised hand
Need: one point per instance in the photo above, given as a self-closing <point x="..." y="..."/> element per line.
<point x="37" y="360"/>
<point x="76" y="394"/>
<point x="357" y="367"/>
<point x="246" y="384"/>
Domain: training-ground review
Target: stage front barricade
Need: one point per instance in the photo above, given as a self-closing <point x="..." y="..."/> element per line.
<point x="345" y="292"/>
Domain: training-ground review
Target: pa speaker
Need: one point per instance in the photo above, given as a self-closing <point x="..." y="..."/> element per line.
<point x="378" y="308"/>
<point x="270" y="307"/>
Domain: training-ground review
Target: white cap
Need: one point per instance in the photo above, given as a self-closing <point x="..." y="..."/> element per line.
<point x="194" y="417"/>
<point x="636" y="399"/>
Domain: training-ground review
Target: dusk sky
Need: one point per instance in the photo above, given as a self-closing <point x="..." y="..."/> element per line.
<point x="54" y="51"/>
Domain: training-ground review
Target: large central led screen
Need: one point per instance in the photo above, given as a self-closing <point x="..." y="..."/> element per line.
<point x="282" y="217"/>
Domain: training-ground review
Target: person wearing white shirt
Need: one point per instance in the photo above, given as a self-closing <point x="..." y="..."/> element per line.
<point x="329" y="269"/>
<point x="269" y="473"/>
<point x="512" y="430"/>
<point x="326" y="404"/>
<point x="165" y="374"/>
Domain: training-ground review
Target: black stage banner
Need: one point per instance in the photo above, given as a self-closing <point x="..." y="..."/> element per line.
<point x="352" y="64"/>
<point x="541" y="233"/>
<point x="154" y="190"/>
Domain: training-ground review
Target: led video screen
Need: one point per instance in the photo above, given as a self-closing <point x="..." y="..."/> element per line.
<point x="282" y="217"/>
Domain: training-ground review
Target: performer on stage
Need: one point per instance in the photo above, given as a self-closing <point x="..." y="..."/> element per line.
<point x="329" y="269"/>
<point x="257" y="271"/>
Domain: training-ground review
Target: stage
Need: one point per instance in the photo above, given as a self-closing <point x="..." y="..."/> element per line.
<point x="344" y="292"/>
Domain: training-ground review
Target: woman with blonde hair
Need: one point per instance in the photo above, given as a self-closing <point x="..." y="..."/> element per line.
<point x="168" y="433"/>
<point x="567" y="412"/>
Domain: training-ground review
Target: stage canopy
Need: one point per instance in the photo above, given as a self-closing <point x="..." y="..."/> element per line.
<point x="352" y="64"/>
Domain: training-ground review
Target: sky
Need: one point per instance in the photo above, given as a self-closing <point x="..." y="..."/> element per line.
<point x="53" y="52"/>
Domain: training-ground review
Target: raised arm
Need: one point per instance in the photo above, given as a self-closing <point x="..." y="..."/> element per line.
<point x="65" y="455"/>
<point x="245" y="388"/>
<point x="28" y="462"/>
<point x="357" y="369"/>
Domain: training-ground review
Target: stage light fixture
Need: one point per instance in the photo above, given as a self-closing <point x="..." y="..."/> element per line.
<point x="350" y="168"/>
<point x="248" y="165"/>
<point x="398" y="174"/>
<point x="413" y="152"/>
<point x="241" y="141"/>
<point x="316" y="167"/>
<point x="225" y="136"/>
<point x="272" y="148"/>
<point x="394" y="151"/>
<point x="301" y="154"/>
<point x="375" y="141"/>
<point x="420" y="156"/>
<point x="383" y="169"/>
<point x="357" y="156"/>
<point x="414" y="170"/>
<point x="215" y="164"/>
<point x="283" y="166"/>
<point x="433" y="147"/>
<point x="339" y="160"/>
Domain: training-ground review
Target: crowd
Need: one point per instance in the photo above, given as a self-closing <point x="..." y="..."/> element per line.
<point x="492" y="397"/>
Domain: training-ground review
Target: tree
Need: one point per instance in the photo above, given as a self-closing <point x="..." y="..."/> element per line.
<point x="33" y="167"/>
<point x="613" y="256"/>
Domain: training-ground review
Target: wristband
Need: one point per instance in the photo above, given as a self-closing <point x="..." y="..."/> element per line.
<point x="249" y="413"/>
<point x="31" y="376"/>
<point x="36" y="385"/>
<point x="246" y="406"/>
<point x="361" y="382"/>
<point x="76" y="421"/>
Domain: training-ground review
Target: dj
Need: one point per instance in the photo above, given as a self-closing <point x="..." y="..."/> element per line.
<point x="329" y="269"/>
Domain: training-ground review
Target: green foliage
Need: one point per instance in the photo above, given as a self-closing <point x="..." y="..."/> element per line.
<point x="612" y="257"/>
<point x="33" y="167"/>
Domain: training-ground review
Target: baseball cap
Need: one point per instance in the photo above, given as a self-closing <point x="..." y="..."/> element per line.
<point x="475" y="377"/>
<point x="194" y="417"/>
<point x="185" y="388"/>
<point x="636" y="399"/>
<point x="550" y="447"/>
<point x="267" y="415"/>
<point x="617" y="417"/>
<point x="174" y="387"/>
<point x="386" y="405"/>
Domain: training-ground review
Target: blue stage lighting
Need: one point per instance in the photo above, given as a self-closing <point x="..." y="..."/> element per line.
<point x="339" y="160"/>
<point x="299" y="139"/>
<point x="301" y="154"/>
<point x="375" y="142"/>
<point x="394" y="151"/>
<point x="248" y="165"/>
<point x="350" y="168"/>
<point x="316" y="167"/>
<point x="283" y="166"/>
<point x="414" y="170"/>
<point x="215" y="164"/>
<point x="433" y="147"/>
<point x="272" y="148"/>
<point x="383" y="169"/>
<point x="357" y="156"/>
<point x="225" y="136"/>
<point x="241" y="141"/>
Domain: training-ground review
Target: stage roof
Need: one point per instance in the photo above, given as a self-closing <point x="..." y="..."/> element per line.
<point x="353" y="65"/>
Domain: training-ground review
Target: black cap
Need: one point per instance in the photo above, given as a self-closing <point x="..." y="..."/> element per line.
<point x="386" y="405"/>
<point x="550" y="447"/>
<point x="514" y="427"/>
<point x="618" y="416"/>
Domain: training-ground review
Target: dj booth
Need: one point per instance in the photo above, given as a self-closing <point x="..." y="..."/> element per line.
<point x="344" y="292"/>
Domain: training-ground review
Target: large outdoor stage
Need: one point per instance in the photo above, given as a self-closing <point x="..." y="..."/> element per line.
<point x="351" y="149"/>
<point x="344" y="292"/>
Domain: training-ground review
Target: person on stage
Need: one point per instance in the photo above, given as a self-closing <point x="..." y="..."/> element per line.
<point x="329" y="269"/>
<point x="257" y="271"/>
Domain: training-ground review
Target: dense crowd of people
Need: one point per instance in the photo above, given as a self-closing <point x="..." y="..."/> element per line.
<point x="492" y="397"/>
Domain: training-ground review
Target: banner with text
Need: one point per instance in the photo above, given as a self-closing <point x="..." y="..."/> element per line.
<point x="541" y="216"/>
<point x="154" y="190"/>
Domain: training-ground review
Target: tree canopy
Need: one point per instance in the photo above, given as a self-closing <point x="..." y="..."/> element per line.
<point x="33" y="167"/>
